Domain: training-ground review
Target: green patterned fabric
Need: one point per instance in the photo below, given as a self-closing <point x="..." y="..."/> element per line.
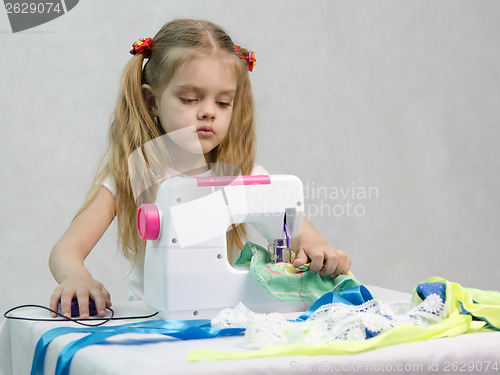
<point x="286" y="282"/>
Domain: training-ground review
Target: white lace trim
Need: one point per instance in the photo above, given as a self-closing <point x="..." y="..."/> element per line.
<point x="331" y="322"/>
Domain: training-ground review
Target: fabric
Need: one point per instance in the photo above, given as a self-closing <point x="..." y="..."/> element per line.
<point x="350" y="315"/>
<point x="135" y="278"/>
<point x="465" y="310"/>
<point x="287" y="283"/>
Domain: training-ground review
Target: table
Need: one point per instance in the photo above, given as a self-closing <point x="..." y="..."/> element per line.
<point x="18" y="340"/>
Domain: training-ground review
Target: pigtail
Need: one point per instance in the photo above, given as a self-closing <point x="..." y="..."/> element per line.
<point x="131" y="128"/>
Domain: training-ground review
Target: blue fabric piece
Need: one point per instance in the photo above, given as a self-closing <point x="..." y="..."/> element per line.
<point x="179" y="329"/>
<point x="425" y="289"/>
<point x="463" y="311"/>
<point x="370" y="334"/>
<point x="351" y="296"/>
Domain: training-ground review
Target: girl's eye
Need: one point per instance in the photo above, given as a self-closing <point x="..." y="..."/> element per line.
<point x="188" y="100"/>
<point x="224" y="104"/>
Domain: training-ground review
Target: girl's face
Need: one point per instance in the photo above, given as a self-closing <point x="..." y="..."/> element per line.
<point x="199" y="99"/>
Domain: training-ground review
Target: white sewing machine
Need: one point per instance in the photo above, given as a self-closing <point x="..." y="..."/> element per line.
<point x="187" y="274"/>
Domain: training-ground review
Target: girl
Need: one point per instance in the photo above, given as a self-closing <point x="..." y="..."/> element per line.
<point x="195" y="83"/>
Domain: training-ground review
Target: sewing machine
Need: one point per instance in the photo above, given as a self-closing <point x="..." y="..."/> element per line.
<point x="187" y="274"/>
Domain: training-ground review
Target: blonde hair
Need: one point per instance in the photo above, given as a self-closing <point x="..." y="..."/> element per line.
<point x="175" y="44"/>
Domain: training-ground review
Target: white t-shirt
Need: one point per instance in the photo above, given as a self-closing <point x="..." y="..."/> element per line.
<point x="135" y="278"/>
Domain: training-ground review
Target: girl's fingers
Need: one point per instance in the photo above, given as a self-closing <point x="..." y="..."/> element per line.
<point x="54" y="301"/>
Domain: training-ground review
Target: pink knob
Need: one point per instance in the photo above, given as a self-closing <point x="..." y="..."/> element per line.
<point x="148" y="222"/>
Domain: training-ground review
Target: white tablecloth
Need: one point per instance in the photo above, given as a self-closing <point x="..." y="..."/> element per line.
<point x="18" y="340"/>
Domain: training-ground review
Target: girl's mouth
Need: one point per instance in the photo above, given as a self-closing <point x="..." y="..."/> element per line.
<point x="205" y="131"/>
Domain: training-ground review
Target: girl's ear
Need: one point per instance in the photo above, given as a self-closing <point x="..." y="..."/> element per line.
<point x="150" y="99"/>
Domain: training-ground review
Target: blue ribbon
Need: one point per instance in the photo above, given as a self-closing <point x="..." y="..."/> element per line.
<point x="179" y="329"/>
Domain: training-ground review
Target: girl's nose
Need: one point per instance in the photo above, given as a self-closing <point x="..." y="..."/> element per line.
<point x="207" y="112"/>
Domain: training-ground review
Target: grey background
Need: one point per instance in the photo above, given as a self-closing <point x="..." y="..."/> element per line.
<point x="400" y="97"/>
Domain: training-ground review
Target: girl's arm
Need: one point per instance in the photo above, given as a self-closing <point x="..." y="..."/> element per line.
<point x="311" y="246"/>
<point x="67" y="258"/>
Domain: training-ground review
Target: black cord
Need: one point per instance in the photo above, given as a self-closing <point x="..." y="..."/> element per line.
<point x="77" y="321"/>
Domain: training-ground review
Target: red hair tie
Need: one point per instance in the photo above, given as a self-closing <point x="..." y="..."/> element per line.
<point x="142" y="46"/>
<point x="252" y="61"/>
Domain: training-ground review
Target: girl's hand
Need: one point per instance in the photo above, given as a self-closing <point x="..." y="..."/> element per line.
<point x="324" y="258"/>
<point x="311" y="246"/>
<point x="83" y="288"/>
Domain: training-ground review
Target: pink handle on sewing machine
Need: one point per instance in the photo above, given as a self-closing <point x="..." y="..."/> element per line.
<point x="148" y="222"/>
<point x="233" y="180"/>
